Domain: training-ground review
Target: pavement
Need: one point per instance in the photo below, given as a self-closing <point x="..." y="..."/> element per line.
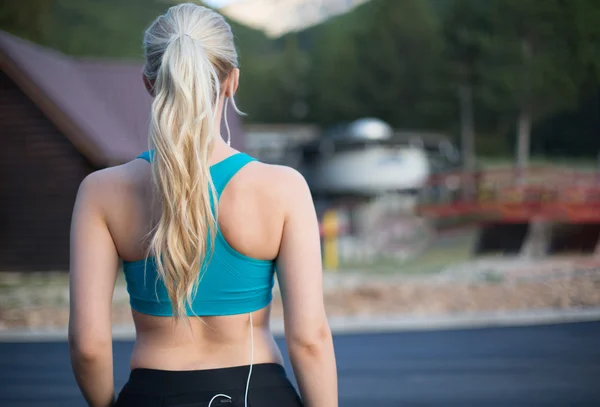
<point x="342" y="325"/>
<point x="557" y="364"/>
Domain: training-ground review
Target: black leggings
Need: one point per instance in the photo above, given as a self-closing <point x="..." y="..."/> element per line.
<point x="269" y="386"/>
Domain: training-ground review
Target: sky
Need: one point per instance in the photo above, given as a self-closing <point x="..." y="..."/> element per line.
<point x="219" y="3"/>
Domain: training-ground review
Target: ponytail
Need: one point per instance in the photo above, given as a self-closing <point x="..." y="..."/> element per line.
<point x="187" y="82"/>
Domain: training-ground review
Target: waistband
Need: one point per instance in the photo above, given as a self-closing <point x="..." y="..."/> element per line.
<point x="164" y="382"/>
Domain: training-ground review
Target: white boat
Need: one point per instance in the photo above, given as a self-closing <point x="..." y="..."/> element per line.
<point x="369" y="158"/>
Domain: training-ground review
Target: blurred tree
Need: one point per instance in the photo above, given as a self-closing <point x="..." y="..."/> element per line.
<point x="29" y="20"/>
<point x="274" y="87"/>
<point x="533" y="63"/>
<point x="293" y="74"/>
<point x="114" y="29"/>
<point x="571" y="133"/>
<point x="382" y="60"/>
<point x="334" y="67"/>
<point x="531" y="67"/>
<point x="108" y="28"/>
<point x="580" y="124"/>
<point x="465" y="23"/>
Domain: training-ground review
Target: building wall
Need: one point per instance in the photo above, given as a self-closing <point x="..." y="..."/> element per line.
<point x="40" y="172"/>
<point x="278" y="143"/>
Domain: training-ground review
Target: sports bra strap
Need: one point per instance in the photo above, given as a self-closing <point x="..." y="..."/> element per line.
<point x="222" y="172"/>
<point x="147" y="155"/>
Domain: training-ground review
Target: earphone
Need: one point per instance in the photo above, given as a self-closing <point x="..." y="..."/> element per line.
<point x="227" y="122"/>
<point x="216" y="396"/>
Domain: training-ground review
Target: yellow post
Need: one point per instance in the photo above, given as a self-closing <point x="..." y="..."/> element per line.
<point x="330" y="238"/>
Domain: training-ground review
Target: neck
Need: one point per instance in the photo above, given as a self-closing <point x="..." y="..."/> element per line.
<point x="221" y="149"/>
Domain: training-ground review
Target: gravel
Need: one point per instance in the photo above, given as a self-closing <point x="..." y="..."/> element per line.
<point x="496" y="284"/>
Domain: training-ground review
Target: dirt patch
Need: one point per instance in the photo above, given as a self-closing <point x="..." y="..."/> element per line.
<point x="490" y="285"/>
<point x="426" y="298"/>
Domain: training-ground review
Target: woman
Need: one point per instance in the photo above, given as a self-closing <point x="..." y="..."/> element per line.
<point x="221" y="223"/>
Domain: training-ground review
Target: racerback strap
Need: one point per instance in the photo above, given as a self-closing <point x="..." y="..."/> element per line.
<point x="147" y="155"/>
<point x="221" y="172"/>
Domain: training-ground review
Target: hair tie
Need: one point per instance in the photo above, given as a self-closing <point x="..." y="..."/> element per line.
<point x="178" y="36"/>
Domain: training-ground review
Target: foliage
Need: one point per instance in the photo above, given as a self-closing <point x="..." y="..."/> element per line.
<point x="381" y="60"/>
<point x="401" y="61"/>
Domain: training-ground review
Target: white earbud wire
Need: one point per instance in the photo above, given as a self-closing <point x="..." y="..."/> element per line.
<point x="225" y="109"/>
<point x="249" y="371"/>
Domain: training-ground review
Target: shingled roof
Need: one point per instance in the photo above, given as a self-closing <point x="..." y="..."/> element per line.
<point x="101" y="106"/>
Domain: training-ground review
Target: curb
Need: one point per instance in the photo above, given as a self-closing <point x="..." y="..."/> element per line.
<point x="369" y="324"/>
<point x="479" y="320"/>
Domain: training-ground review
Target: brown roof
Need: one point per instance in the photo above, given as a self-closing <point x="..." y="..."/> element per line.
<point x="101" y="106"/>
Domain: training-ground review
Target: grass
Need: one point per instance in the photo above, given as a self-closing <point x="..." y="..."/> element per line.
<point x="11" y="280"/>
<point x="569" y="162"/>
<point x="23" y="289"/>
<point x="491" y="276"/>
<point x="443" y="252"/>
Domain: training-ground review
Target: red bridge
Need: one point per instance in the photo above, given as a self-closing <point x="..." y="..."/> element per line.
<point x="514" y="196"/>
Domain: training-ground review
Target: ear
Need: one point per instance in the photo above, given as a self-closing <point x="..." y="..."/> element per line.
<point x="148" y="84"/>
<point x="232" y="82"/>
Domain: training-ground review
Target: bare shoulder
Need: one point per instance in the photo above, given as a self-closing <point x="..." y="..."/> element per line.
<point x="281" y="181"/>
<point x="106" y="184"/>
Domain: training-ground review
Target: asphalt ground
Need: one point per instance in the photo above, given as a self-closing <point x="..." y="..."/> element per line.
<point x="546" y="365"/>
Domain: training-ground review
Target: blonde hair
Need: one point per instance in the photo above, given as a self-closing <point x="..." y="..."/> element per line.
<point x="189" y="53"/>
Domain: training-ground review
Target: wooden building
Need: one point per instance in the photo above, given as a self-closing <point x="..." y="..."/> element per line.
<point x="60" y="119"/>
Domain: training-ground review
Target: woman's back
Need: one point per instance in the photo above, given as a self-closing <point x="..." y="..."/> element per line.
<point x="250" y="211"/>
<point x="250" y="218"/>
<point x="213" y="223"/>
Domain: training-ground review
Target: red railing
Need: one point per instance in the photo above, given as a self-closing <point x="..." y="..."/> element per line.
<point x="511" y="195"/>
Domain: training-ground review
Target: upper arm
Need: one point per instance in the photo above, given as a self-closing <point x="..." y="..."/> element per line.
<point x="93" y="266"/>
<point x="299" y="268"/>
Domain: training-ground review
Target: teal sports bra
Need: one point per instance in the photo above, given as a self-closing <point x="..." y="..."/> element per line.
<point x="232" y="283"/>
